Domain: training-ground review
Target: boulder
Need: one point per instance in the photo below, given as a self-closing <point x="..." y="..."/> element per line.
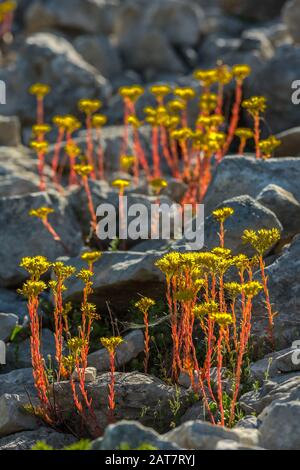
<point x="90" y="16"/>
<point x="253" y="10"/>
<point x="291" y="17"/>
<point x="281" y="71"/>
<point x="51" y="59"/>
<point x="100" y="53"/>
<point x="138" y="397"/>
<point x="26" y="236"/>
<point x="290" y="143"/>
<point x="280" y="426"/>
<point x="237" y="175"/>
<point x="18" y="381"/>
<point x="198" y="435"/>
<point x="19" y="356"/>
<point x="132" y="346"/>
<point x="13" y="417"/>
<point x="8" y="321"/>
<point x="10" y="132"/>
<point x="10" y="301"/>
<point x="131" y="435"/>
<point x="27" y="439"/>
<point x="119" y="276"/>
<point x="284" y="205"/>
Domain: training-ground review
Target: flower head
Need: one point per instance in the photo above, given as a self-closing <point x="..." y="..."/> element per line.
<point x="252" y="288"/>
<point x="120" y="184"/>
<point x="41" y="213"/>
<point x="39" y="90"/>
<point x="72" y="150"/>
<point x="88" y="106"/>
<point x="233" y="288"/>
<point x="206" y="77"/>
<point x="112" y="343"/>
<point x="99" y="120"/>
<point x="41" y="129"/>
<point x="144" y="304"/>
<point x="268" y="146"/>
<point x="40" y="146"/>
<point x="63" y="271"/>
<point x="32" y="288"/>
<point x="131" y="93"/>
<point x="244" y="133"/>
<point x="255" y="105"/>
<point x="222" y="319"/>
<point x="261" y="240"/>
<point x="158" y="184"/>
<point x="160" y="91"/>
<point x="83" y="170"/>
<point x="91" y="256"/>
<point x="127" y="161"/>
<point x="35" y="266"/>
<point x="241" y="72"/>
<point x="222" y="214"/>
<point x="185" y="93"/>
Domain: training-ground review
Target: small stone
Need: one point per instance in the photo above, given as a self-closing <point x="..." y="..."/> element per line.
<point x="89" y="376"/>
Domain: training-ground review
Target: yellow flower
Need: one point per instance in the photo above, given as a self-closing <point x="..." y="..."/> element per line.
<point x="72" y="150"/>
<point x="132" y="93"/>
<point x="90" y="310"/>
<point x="185" y="295"/>
<point x="71" y="123"/>
<point x="224" y="75"/>
<point x="185" y="93"/>
<point x="42" y="212"/>
<point x="7" y="7"/>
<point x="127" y="161"/>
<point x="255" y="105"/>
<point x="76" y="344"/>
<point x="112" y="343"/>
<point x="221" y="252"/>
<point x="39" y="90"/>
<point x="35" y="266"/>
<point x="268" y="146"/>
<point x="91" y="256"/>
<point x="222" y="319"/>
<point x="169" y="263"/>
<point x="38" y="129"/>
<point x="241" y="72"/>
<point x="244" y="133"/>
<point x="176" y="106"/>
<point x="251" y="289"/>
<point x="134" y="121"/>
<point x="62" y="271"/>
<point x="99" y="120"/>
<point x="120" y="183"/>
<point x="222" y="214"/>
<point x="233" y="289"/>
<point x="261" y="240"/>
<point x="83" y="170"/>
<point x="85" y="275"/>
<point x="144" y="304"/>
<point x="88" y="106"/>
<point x="158" y="184"/>
<point x="32" y="288"/>
<point x="207" y="308"/>
<point x="206" y="77"/>
<point x="40" y="146"/>
<point x="208" y="102"/>
<point x="160" y="91"/>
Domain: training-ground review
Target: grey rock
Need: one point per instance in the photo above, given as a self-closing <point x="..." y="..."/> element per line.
<point x="253" y="10"/>
<point x="91" y="16"/>
<point x="53" y="60"/>
<point x="286" y="362"/>
<point x="281" y="70"/>
<point x="284" y="205"/>
<point x="10" y="132"/>
<point x="27" y="439"/>
<point x="12" y="417"/>
<point x="26" y="236"/>
<point x="247" y="213"/>
<point x="175" y="190"/>
<point x="10" y="301"/>
<point x="99" y="52"/>
<point x="290" y="143"/>
<point x="248" y="422"/>
<point x="132" y="346"/>
<point x="18" y="172"/>
<point x="132" y="434"/>
<point x="118" y="277"/>
<point x="8" y="321"/>
<point x="90" y="375"/>
<point x="283" y="288"/>
<point x="181" y="22"/>
<point x="291" y="17"/>
<point x="280" y="426"/>
<point x="238" y="175"/>
<point x="266" y="367"/>
<point x="229" y="445"/>
<point x="257" y="401"/>
<point x="199" y="435"/>
<point x="19" y="356"/>
<point x="138" y="397"/>
<point x="18" y="381"/>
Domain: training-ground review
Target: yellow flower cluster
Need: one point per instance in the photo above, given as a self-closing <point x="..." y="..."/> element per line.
<point x="261" y="240"/>
<point x="222" y="214"/>
<point x="41" y="213"/>
<point x="144" y="304"/>
<point x="112" y="343"/>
